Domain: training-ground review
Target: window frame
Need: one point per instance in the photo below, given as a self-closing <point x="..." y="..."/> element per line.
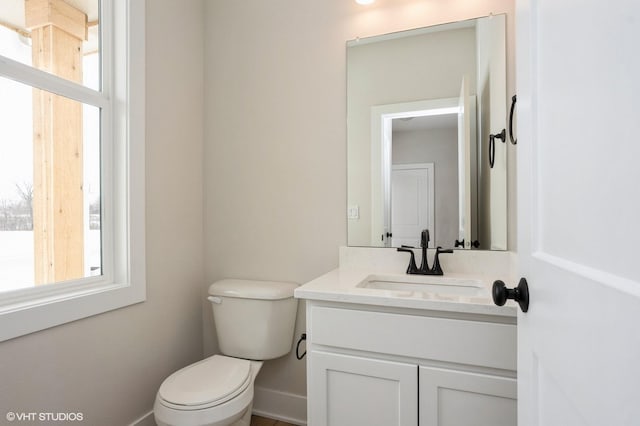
<point x="122" y="105"/>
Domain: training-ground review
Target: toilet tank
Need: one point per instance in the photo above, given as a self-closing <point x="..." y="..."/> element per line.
<point x="254" y="319"/>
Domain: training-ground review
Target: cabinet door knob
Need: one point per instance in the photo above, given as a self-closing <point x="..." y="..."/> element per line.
<point x="520" y="294"/>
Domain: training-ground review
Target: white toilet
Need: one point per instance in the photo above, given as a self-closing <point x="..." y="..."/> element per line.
<point x="254" y="321"/>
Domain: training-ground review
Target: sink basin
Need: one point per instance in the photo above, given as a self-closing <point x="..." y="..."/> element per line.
<point x="435" y="285"/>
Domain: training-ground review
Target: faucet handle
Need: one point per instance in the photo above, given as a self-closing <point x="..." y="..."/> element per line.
<point x="412" y="268"/>
<point x="437" y="269"/>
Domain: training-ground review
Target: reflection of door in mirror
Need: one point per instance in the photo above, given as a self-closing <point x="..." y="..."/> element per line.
<point x="412" y="203"/>
<point x="406" y="136"/>
<point x="464" y="165"/>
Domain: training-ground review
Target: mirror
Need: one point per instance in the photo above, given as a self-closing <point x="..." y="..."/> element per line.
<point x="422" y="106"/>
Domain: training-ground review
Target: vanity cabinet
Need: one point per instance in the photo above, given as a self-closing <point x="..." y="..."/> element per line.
<point x="461" y="398"/>
<point x="373" y="365"/>
<point x="354" y="390"/>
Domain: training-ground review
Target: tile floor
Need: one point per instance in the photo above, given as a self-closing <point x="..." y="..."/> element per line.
<point x="263" y="421"/>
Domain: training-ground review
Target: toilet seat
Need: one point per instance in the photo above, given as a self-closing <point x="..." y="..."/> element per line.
<point x="205" y="384"/>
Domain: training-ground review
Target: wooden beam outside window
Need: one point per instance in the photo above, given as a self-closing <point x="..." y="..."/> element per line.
<point x="57" y="32"/>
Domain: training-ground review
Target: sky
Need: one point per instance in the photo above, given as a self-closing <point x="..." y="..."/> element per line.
<point x="16" y="140"/>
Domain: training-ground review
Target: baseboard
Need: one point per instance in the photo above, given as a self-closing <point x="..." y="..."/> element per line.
<point x="284" y="406"/>
<point x="145" y="420"/>
<point x="277" y="405"/>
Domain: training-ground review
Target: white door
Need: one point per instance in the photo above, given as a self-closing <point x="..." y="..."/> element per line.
<point x="464" y="164"/>
<point x="357" y="391"/>
<point x="578" y="151"/>
<point x="412" y="203"/>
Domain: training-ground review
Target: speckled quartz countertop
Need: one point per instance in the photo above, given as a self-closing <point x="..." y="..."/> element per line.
<point x="358" y="265"/>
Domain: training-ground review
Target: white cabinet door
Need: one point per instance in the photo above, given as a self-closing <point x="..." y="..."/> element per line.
<point x="353" y="391"/>
<point x="459" y="398"/>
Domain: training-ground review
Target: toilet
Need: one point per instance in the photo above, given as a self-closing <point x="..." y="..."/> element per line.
<point x="254" y="322"/>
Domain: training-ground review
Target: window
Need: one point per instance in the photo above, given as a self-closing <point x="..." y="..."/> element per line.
<point x="72" y="162"/>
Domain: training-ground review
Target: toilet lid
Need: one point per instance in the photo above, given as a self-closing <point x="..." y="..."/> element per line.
<point x="206" y="382"/>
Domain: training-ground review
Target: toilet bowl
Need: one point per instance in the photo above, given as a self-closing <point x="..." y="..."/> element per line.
<point x="254" y="321"/>
<point x="217" y="391"/>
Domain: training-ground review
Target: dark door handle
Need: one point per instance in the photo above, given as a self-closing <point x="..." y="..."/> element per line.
<point x="492" y="145"/>
<point x="520" y="294"/>
<point x="513" y="107"/>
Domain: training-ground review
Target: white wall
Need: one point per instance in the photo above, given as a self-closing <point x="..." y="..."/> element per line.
<point x="110" y="366"/>
<point x="275" y="136"/>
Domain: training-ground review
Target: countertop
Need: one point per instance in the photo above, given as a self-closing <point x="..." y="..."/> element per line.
<point x="341" y="285"/>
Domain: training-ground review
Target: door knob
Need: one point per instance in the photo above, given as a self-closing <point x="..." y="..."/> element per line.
<point x="520" y="294"/>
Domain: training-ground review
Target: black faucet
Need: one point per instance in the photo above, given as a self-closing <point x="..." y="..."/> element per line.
<point x="437" y="269"/>
<point x="412" y="268"/>
<point x="424" y="244"/>
<point x="424" y="269"/>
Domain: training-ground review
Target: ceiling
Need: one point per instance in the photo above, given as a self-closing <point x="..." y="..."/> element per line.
<point x="444" y="121"/>
<point x="12" y="11"/>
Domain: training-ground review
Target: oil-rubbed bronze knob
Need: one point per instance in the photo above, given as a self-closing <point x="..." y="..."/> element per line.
<point x="520" y="294"/>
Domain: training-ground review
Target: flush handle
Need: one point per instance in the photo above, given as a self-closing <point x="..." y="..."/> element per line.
<point x="214" y="299"/>
<point x="520" y="294"/>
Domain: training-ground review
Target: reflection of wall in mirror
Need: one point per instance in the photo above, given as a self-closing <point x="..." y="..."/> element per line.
<point x="426" y="66"/>
<point x="438" y="146"/>
<point x="492" y="190"/>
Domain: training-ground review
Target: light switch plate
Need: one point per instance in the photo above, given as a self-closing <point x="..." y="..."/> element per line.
<point x="353" y="212"/>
